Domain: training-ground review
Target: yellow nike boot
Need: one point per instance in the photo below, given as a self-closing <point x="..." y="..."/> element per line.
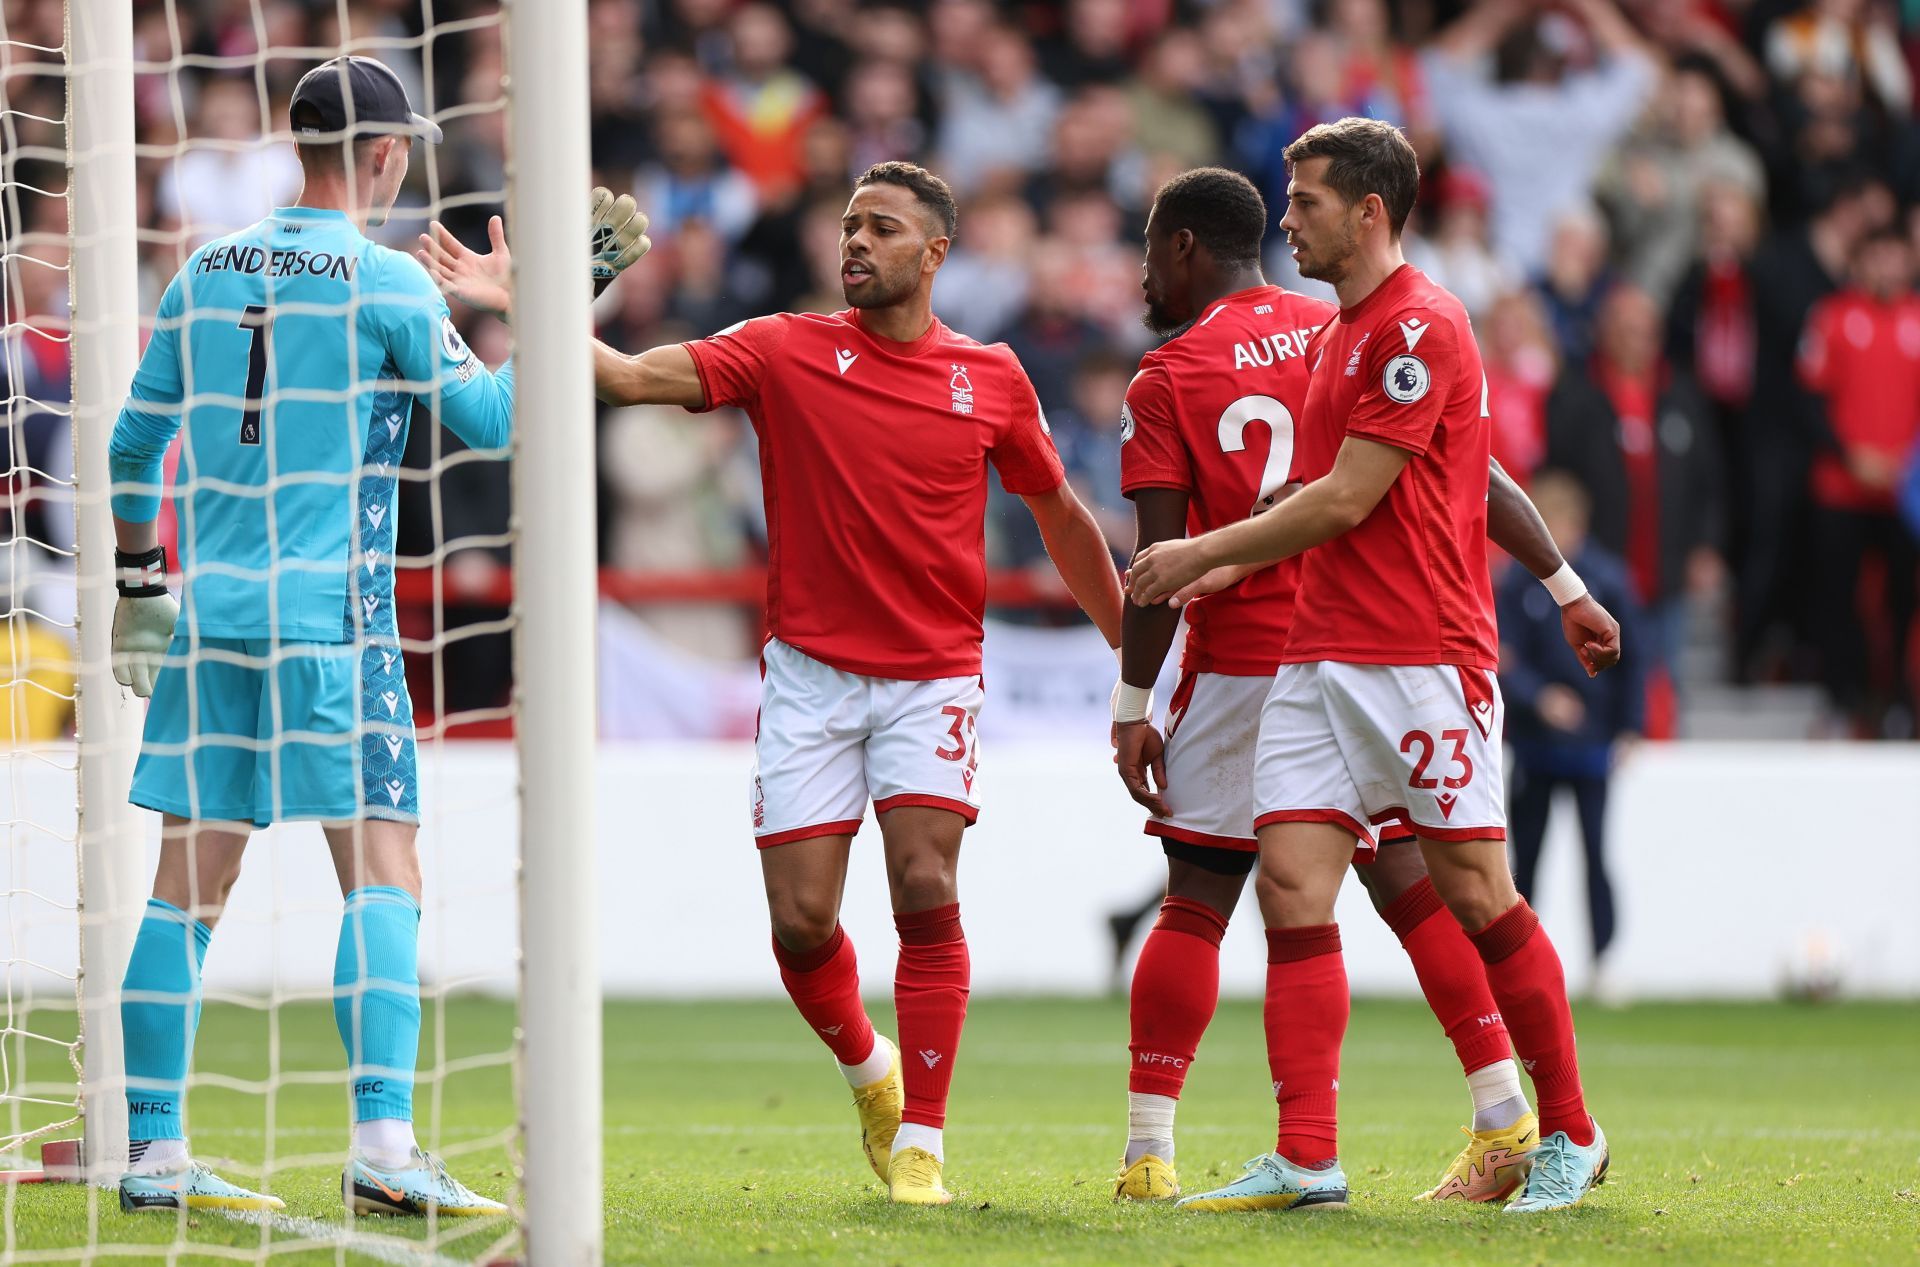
<point x="879" y="1105"/>
<point x="1492" y="1166"/>
<point x="1147" y="1179"/>
<point x="914" y="1179"/>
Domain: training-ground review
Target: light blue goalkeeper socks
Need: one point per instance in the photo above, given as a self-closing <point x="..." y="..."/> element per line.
<point x="376" y="999"/>
<point x="159" y="1012"/>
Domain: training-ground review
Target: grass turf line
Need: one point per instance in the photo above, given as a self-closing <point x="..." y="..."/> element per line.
<point x="1741" y="1134"/>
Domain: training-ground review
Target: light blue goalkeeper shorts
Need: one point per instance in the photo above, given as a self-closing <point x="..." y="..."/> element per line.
<point x="317" y="730"/>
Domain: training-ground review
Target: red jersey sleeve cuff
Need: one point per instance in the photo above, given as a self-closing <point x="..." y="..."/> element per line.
<point x="1153" y="479"/>
<point x="698" y="353"/>
<point x="1019" y="488"/>
<point x="1398" y="439"/>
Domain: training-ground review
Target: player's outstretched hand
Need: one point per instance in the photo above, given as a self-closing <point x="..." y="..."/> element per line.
<point x="142" y="630"/>
<point x="1163" y="569"/>
<point x="619" y="239"/>
<point x="1137" y="749"/>
<point x="479" y="281"/>
<point x="1592" y="632"/>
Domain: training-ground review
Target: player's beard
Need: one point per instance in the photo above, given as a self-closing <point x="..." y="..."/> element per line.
<point x="883" y="289"/>
<point x="1330" y="263"/>
<point x="1162" y="322"/>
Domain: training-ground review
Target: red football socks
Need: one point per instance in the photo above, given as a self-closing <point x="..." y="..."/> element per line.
<point x="1176" y="986"/>
<point x="824" y="984"/>
<point x="1306" y="1015"/>
<point x="1524" y="972"/>
<point x="1451" y="975"/>
<point x="930" y="995"/>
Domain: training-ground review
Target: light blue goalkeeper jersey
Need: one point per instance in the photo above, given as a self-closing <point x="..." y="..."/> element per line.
<point x="290" y="354"/>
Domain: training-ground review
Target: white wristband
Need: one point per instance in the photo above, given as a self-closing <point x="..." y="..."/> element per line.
<point x="1132" y="703"/>
<point x="1565" y="585"/>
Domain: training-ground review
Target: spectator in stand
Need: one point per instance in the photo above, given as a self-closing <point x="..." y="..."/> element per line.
<point x="1521" y="362"/>
<point x="692" y="180"/>
<point x="1093" y="47"/>
<point x="1861" y="360"/>
<point x="1638" y="435"/>
<point x="1710" y="330"/>
<point x="883" y="114"/>
<point x="997" y="122"/>
<point x="232" y="177"/>
<point x="1576" y="279"/>
<point x="1458" y="253"/>
<point x="1848" y="40"/>
<point x="762" y="107"/>
<point x="1651" y="186"/>
<point x="1165" y="99"/>
<point x="1539" y="130"/>
<point x="1320" y="91"/>
<point x="1790" y="273"/>
<point x="666" y="476"/>
<point x="1566" y="729"/>
<point x="1380" y="69"/>
<point x="1052" y="336"/>
<point x="983" y="285"/>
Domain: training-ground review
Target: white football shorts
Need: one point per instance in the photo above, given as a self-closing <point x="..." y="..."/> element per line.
<point x="1364" y="744"/>
<point x="828" y="741"/>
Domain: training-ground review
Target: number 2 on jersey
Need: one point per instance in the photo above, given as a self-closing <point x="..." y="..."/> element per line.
<point x="1233" y="439"/>
<point x="258" y="321"/>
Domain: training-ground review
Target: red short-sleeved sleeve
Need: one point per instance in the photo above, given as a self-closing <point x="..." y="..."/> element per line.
<point x="732" y="362"/>
<point x="1152" y="454"/>
<point x="1813" y="359"/>
<point x="1024" y="453"/>
<point x="1411" y="367"/>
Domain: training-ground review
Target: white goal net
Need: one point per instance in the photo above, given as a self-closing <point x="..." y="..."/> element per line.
<point x="132" y="136"/>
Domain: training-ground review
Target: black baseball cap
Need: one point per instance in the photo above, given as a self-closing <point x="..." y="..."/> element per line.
<point x="377" y="98"/>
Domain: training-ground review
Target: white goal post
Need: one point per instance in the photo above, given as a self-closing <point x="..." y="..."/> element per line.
<point x="558" y="1040"/>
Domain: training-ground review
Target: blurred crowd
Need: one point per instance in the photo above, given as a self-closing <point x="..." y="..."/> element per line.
<point x="1686" y="229"/>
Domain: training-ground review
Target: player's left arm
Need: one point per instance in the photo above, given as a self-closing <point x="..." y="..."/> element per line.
<point x="1514" y="524"/>
<point x="1336" y="503"/>
<point x="1079" y="552"/>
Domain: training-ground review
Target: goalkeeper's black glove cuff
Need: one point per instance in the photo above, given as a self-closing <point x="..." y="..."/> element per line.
<point x="141" y="575"/>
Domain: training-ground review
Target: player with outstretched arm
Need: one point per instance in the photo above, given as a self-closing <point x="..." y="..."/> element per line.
<point x="288" y="357"/>
<point x="877" y="426"/>
<point x="1385" y="706"/>
<point x="1207" y="439"/>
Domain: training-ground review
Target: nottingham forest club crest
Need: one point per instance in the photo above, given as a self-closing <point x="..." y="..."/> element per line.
<point x="962" y="389"/>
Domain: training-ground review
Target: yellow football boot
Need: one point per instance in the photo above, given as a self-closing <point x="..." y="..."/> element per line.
<point x="914" y="1179"/>
<point x="879" y="1105"/>
<point x="1147" y="1179"/>
<point x="1492" y="1166"/>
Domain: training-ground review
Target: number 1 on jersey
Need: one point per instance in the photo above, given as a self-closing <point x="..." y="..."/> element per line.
<point x="259" y="322"/>
<point x="1233" y="439"/>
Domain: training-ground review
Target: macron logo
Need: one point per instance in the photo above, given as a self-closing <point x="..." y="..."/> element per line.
<point x="832" y="1031"/>
<point x="931" y="1056"/>
<point x="1482" y="711"/>
<point x="1413" y="330"/>
<point x="845" y="358"/>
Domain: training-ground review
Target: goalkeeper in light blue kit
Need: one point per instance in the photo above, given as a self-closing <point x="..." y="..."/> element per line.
<point x="288" y="356"/>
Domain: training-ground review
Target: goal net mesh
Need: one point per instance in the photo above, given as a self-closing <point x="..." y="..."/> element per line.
<point x="268" y="1103"/>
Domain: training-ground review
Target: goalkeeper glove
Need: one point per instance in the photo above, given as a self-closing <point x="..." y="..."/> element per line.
<point x="142" y="619"/>
<point x="619" y="236"/>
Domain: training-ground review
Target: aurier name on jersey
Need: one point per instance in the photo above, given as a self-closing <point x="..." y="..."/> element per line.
<point x="1212" y="414"/>
<point x="291" y="354"/>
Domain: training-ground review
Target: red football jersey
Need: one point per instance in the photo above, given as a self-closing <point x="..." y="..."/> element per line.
<point x="873" y="461"/>
<point x="1863" y="356"/>
<point x="1212" y="413"/>
<point x="1409" y="585"/>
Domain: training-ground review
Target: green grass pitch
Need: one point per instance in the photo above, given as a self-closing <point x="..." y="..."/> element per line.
<point x="1741" y="1134"/>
